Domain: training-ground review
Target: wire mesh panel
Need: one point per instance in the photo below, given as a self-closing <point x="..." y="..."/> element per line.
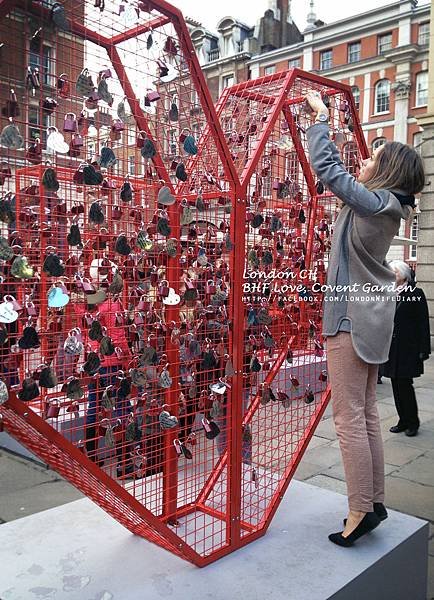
<point x="159" y="327"/>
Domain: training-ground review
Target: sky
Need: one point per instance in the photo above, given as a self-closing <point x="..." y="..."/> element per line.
<point x="209" y="13"/>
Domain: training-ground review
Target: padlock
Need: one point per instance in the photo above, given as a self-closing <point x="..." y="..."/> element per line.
<point x="52" y="410"/>
<point x="70" y="123"/>
<point x="210" y="287"/>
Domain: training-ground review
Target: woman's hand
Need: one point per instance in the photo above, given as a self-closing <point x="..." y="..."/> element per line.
<point x="314" y="100"/>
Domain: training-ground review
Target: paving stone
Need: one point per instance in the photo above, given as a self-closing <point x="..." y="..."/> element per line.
<point x="306" y="469"/>
<point x="326" y="429"/>
<point x="410" y="497"/>
<point x="324" y="456"/>
<point x="37" y="498"/>
<point x="385" y="410"/>
<point x="318" y="441"/>
<point x="430" y="590"/>
<point x="396" y="453"/>
<point x="424" y="439"/>
<point x="338" y="471"/>
<point x="17" y="474"/>
<point x="420" y="470"/>
<point x="329" y="483"/>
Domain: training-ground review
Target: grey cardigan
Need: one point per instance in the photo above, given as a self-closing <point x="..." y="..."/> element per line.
<point x="362" y="235"/>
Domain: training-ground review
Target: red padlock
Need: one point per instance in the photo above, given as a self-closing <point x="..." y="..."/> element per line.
<point x="116" y="212"/>
<point x="52" y="410"/>
<point x="91" y="101"/>
<point x="77" y="141"/>
<point x="141" y="137"/>
<point x="143" y="304"/>
<point x="210" y="287"/>
<point x="63" y="86"/>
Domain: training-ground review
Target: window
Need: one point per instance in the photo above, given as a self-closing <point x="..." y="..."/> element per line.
<point x="195" y="106"/>
<point x="384" y="42"/>
<point x="382" y="96"/>
<point x="228" y="81"/>
<point x="356" y="95"/>
<point x="270" y="70"/>
<point x="294" y="63"/>
<point x="422" y="88"/>
<point x="291" y="165"/>
<point x="131" y="165"/>
<point x="195" y="130"/>
<point x="354" y="52"/>
<point x="417" y="141"/>
<point x="325" y="59"/>
<point x="35" y="128"/>
<point x="131" y="136"/>
<point x="423" y="34"/>
<point x="41" y="58"/>
<point x="172" y="142"/>
<point x="378" y="142"/>
<point x="413" y="235"/>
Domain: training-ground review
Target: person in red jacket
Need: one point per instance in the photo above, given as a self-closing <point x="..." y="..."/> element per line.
<point x="107" y="315"/>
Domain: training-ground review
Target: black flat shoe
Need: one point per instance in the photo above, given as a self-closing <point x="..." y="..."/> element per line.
<point x="397" y="429"/>
<point x="411" y="432"/>
<point x="379" y="510"/>
<point x="369" y="522"/>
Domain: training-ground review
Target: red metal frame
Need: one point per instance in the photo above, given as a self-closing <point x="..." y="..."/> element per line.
<point x="221" y="491"/>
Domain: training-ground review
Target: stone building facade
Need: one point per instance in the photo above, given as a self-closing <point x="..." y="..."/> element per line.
<point x="382" y="54"/>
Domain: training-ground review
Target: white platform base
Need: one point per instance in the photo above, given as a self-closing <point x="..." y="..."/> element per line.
<point x="77" y="552"/>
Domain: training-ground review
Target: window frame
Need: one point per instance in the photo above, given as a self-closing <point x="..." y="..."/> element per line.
<point x="131" y="165"/>
<point x="225" y="78"/>
<point x="357" y="95"/>
<point x="269" y="70"/>
<point x="35" y="128"/>
<point x="417" y="102"/>
<point x="417" y="141"/>
<point x="47" y="68"/>
<point x="423" y="36"/>
<point x="294" y="63"/>
<point x="378" y="111"/>
<point x="381" y="37"/>
<point x="414" y="236"/>
<point x="376" y="142"/>
<point x="322" y="59"/>
<point x="357" y="55"/>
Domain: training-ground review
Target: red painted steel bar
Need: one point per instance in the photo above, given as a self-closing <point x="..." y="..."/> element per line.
<point x="266" y="131"/>
<point x="139" y="30"/>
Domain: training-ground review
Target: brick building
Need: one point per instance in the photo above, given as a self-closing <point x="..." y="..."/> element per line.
<point x="29" y="43"/>
<point x="382" y="54"/>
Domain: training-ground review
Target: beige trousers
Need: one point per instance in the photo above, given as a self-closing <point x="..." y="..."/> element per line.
<point x="353" y="384"/>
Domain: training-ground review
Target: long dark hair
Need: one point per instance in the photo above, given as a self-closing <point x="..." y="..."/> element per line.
<point x="397" y="167"/>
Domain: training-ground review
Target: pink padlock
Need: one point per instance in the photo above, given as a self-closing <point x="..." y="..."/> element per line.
<point x="210" y="287"/>
<point x="52" y="410"/>
<point x="163" y="288"/>
<point x="70" y="123"/>
<point x="141" y="136"/>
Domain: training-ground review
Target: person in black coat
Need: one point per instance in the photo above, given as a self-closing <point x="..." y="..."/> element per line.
<point x="410" y="346"/>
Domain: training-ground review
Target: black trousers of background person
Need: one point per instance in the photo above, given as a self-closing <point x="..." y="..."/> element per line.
<point x="405" y="402"/>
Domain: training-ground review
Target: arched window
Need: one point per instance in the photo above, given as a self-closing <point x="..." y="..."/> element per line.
<point x="378" y="142"/>
<point x="382" y="96"/>
<point x="422" y="88"/>
<point x="356" y="95"/>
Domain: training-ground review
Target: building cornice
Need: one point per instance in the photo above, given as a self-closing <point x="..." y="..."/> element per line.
<point x="318" y="41"/>
<point x="241" y="56"/>
<point x="401" y="54"/>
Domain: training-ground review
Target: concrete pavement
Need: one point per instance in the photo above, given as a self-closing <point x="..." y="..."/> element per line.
<point x="27" y="488"/>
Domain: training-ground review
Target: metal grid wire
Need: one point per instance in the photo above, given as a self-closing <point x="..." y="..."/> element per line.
<point x="145" y="358"/>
